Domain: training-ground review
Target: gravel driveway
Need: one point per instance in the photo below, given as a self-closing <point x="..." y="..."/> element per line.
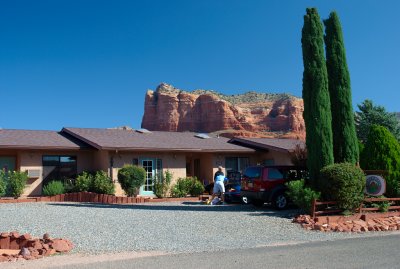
<point x="169" y="227"/>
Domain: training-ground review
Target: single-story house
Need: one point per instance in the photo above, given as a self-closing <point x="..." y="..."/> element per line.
<point x="49" y="155"/>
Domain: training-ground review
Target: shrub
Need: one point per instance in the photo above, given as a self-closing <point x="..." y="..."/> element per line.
<point x="3" y="183"/>
<point x="161" y="186"/>
<point x="83" y="182"/>
<point x="53" y="188"/>
<point x="302" y="196"/>
<point x="382" y="152"/>
<point x="185" y="186"/>
<point x="131" y="177"/>
<point x="197" y="188"/>
<point x="16" y="183"/>
<point x="102" y="183"/>
<point x="344" y="183"/>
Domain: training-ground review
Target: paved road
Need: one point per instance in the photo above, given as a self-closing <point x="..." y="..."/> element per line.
<point x="370" y="252"/>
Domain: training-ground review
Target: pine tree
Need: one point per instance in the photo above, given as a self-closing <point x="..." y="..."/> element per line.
<point x="345" y="144"/>
<point x="382" y="152"/>
<point x="317" y="107"/>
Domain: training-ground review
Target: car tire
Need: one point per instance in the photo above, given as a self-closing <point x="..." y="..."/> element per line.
<point x="280" y="201"/>
<point x="257" y="203"/>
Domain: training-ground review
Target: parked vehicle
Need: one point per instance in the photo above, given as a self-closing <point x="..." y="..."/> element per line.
<point x="266" y="184"/>
<point x="232" y="187"/>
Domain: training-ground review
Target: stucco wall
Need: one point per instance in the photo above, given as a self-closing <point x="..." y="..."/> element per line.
<point x="32" y="160"/>
<point x="174" y="162"/>
<point x="280" y="158"/>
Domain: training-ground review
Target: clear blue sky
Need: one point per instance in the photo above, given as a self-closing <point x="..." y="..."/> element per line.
<point x="88" y="63"/>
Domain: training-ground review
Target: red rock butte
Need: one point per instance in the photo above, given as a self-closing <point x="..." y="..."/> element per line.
<point x="248" y="115"/>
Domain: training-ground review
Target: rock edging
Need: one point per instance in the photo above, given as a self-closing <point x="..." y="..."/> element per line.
<point x="356" y="223"/>
<point x="30" y="248"/>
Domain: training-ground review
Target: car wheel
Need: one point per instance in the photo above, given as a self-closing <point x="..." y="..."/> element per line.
<point x="280" y="201"/>
<point x="258" y="203"/>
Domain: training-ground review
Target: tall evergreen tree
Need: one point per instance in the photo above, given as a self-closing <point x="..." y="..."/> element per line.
<point x="345" y="144"/>
<point x="317" y="106"/>
<point x="370" y="114"/>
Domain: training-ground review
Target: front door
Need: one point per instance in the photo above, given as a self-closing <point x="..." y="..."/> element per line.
<point x="147" y="188"/>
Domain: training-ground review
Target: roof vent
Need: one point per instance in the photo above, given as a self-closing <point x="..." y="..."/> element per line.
<point x="203" y="136"/>
<point x="143" y="131"/>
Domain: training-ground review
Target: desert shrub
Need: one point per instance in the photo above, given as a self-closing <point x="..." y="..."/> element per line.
<point x="102" y="183"/>
<point x="344" y="183"/>
<point x="197" y="187"/>
<point x="53" y="188"/>
<point x="131" y="177"/>
<point x="3" y="183"/>
<point x="302" y="196"/>
<point x="161" y="186"/>
<point x="16" y="183"/>
<point x="83" y="182"/>
<point x="187" y="185"/>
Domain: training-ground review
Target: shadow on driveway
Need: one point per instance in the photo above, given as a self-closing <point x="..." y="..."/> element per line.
<point x="190" y="206"/>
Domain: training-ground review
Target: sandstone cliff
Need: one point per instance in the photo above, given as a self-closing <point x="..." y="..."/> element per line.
<point x="251" y="114"/>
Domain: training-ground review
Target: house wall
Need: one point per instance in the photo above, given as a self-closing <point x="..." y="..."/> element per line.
<point x="32" y="160"/>
<point x="279" y="158"/>
<point x="174" y="162"/>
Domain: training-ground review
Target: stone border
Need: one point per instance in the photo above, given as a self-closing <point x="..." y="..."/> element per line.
<point x="368" y="222"/>
<point x="14" y="246"/>
<point x="90" y="197"/>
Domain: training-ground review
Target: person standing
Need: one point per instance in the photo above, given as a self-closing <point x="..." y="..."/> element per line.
<point x="219" y="186"/>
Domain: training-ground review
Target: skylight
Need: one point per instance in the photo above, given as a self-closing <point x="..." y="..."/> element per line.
<point x="203" y="136"/>
<point x="143" y="131"/>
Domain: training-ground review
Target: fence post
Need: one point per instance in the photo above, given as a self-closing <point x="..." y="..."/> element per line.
<point x="313" y="205"/>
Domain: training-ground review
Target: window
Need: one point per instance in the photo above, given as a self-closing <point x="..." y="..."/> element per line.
<point x="236" y="163"/>
<point x="61" y="167"/>
<point x="7" y="163"/>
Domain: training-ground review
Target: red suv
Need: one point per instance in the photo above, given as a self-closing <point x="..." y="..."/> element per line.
<point x="266" y="184"/>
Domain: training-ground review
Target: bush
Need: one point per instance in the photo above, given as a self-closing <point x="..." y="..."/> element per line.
<point x="131" y="177"/>
<point x="185" y="186"/>
<point x="102" y="183"/>
<point x="3" y="183"/>
<point x="83" y="182"/>
<point x="53" y="188"/>
<point x="302" y="196"/>
<point x="197" y="188"/>
<point x="161" y="186"/>
<point x="16" y="183"/>
<point x="344" y="183"/>
<point x="382" y="152"/>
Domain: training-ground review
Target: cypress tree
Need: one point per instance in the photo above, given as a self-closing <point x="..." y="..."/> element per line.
<point x="317" y="107"/>
<point x="345" y="144"/>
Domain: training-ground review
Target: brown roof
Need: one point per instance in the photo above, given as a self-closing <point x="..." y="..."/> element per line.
<point x="33" y="139"/>
<point x="118" y="139"/>
<point x="279" y="144"/>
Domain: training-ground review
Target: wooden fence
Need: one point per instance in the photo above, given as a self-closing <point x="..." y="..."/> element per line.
<point x="330" y="206"/>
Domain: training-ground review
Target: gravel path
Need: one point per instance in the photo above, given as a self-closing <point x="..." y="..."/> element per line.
<point x="167" y="227"/>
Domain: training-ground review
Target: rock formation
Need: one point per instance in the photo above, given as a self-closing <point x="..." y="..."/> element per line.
<point x="251" y="114"/>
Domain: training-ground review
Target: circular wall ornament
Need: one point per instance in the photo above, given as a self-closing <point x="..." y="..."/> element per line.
<point x="375" y="185"/>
